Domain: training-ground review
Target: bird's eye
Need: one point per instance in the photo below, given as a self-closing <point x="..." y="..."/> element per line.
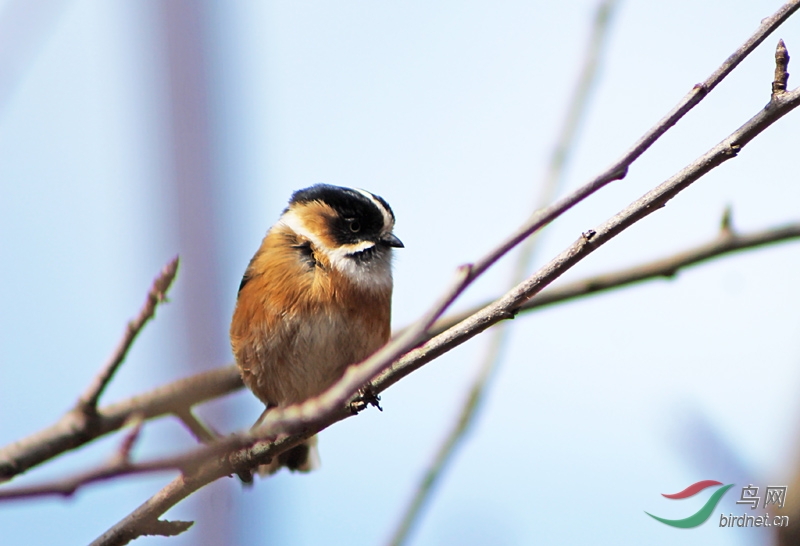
<point x="355" y="227"/>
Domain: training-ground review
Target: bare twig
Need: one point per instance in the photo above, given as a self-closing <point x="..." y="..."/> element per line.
<point x="203" y="433"/>
<point x="67" y="487"/>
<point x="548" y="190"/>
<point x="123" y="455"/>
<point x="118" y="465"/>
<point x="254" y="449"/>
<point x="157" y="294"/>
<point x="164" y="528"/>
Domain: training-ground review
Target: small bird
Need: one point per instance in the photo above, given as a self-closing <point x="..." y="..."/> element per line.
<point x="315" y="298"/>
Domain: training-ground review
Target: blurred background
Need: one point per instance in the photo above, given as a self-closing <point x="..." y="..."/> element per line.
<point x="131" y="131"/>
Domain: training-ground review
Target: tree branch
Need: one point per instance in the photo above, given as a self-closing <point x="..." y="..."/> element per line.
<point x="357" y="376"/>
<point x="158" y="294"/>
<point x="726" y="242"/>
<point x="74" y="430"/>
<point x="619" y="169"/>
<point x="657" y="198"/>
<point x="316" y="414"/>
<point x="174" y="397"/>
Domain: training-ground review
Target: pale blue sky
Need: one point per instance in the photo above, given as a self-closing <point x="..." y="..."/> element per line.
<point x="449" y="111"/>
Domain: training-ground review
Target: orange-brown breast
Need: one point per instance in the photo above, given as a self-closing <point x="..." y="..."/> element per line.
<point x="297" y="326"/>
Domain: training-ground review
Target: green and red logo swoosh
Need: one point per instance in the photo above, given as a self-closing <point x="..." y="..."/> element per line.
<point x="701" y="515"/>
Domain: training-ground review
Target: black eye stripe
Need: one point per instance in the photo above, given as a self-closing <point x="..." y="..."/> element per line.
<point x="360" y="216"/>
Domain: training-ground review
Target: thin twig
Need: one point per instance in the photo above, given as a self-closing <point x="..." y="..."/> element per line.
<point x="157" y="294"/>
<point x="564" y="143"/>
<point x="301" y="418"/>
<point x="123" y="455"/>
<point x="549" y="187"/>
<point x="202" y="432"/>
<point x="68" y="487"/>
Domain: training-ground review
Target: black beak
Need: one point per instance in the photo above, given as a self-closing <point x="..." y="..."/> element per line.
<point x="391" y="240"/>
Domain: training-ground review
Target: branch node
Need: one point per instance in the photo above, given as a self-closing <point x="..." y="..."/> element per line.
<point x="246" y="477"/>
<point x="781" y="66"/>
<point x="165" y="528"/>
<point x="464" y="272"/>
<point x="701" y="89"/>
<point x="509" y="314"/>
<point x="620" y="173"/>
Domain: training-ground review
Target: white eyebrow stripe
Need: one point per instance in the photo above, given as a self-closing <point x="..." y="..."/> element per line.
<point x="388" y="222"/>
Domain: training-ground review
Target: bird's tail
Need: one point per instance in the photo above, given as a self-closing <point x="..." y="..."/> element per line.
<point x="303" y="457"/>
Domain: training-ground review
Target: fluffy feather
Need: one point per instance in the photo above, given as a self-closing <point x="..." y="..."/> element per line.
<point x="310" y="305"/>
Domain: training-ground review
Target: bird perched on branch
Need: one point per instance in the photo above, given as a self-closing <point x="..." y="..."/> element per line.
<point x="315" y="299"/>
